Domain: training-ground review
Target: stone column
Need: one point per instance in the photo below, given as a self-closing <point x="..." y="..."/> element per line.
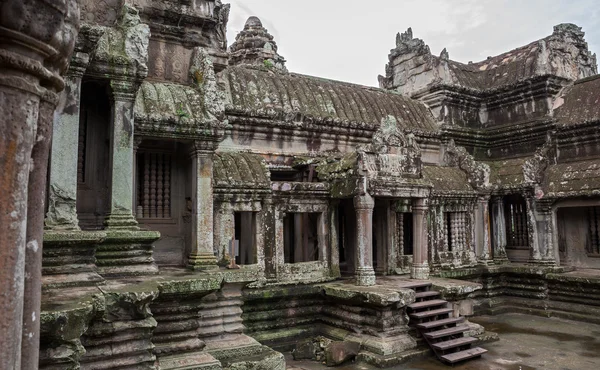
<point x="545" y="231"/>
<point x="499" y="228"/>
<point x="420" y="267"/>
<point x="36" y="41"/>
<point x="532" y="230"/>
<point x="364" y="273"/>
<point x="202" y="256"/>
<point x="482" y="231"/>
<point x="224" y="229"/>
<point x="334" y="254"/>
<point x="121" y="157"/>
<point x="126" y="250"/>
<point x="62" y="187"/>
<point x="269" y="228"/>
<point x="35" y="233"/>
<point x="136" y="145"/>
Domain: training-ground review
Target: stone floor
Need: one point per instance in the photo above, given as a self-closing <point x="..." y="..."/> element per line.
<point x="526" y="342"/>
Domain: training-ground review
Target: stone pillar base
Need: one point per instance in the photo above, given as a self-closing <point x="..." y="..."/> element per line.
<point x="501" y="260"/>
<point x="202" y="261"/>
<point x="121" y="221"/>
<point x="365" y="276"/>
<point x="68" y="258"/>
<point x="420" y="272"/>
<point x="127" y="253"/>
<point x="485" y="262"/>
<point x="542" y="262"/>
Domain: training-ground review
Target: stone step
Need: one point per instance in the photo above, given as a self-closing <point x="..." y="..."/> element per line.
<point x="414" y="285"/>
<point x="430" y="313"/>
<point x="427" y="294"/>
<point x="427" y="304"/>
<point x="438" y="323"/>
<point x="446" y="332"/>
<point x="463" y="355"/>
<point x="453" y="343"/>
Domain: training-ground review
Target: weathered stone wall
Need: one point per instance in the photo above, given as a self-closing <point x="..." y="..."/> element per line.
<point x="547" y="292"/>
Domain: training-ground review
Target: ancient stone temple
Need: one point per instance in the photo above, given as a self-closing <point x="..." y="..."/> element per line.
<point x="206" y="208"/>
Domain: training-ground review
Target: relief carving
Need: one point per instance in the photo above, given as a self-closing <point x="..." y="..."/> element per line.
<point x="392" y="153"/>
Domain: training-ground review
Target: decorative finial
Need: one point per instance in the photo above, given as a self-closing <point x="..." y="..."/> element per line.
<point x="444" y="55"/>
<point x="253" y="22"/>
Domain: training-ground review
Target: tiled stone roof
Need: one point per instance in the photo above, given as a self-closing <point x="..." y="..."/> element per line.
<point x="573" y="179"/>
<point x="581" y="102"/>
<point x="260" y="92"/>
<point x="447" y="179"/>
<point x="506" y="173"/>
<point x="240" y="170"/>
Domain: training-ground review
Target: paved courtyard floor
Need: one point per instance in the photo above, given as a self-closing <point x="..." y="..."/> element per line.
<point x="526" y="342"/>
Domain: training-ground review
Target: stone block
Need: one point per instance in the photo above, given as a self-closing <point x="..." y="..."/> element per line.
<point x="336" y="353"/>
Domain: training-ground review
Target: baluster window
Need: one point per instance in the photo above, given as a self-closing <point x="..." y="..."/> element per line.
<point x="154" y="185"/>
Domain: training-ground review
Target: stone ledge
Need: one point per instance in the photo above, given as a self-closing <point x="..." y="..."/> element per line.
<point x="377" y="295"/>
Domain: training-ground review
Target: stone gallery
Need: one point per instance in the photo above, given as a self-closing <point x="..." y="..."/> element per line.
<point x="205" y="208"/>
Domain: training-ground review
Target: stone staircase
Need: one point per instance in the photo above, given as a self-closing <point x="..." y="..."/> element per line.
<point x="444" y="334"/>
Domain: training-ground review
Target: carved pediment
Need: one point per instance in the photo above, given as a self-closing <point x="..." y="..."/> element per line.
<point x="478" y="173"/>
<point x="392" y="153"/>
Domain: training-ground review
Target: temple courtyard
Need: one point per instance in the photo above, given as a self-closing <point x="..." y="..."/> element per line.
<point x="526" y="342"/>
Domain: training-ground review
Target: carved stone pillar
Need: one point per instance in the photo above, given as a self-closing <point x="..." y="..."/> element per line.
<point x="269" y="226"/>
<point x="127" y="250"/>
<point x="136" y="145"/>
<point x="532" y="230"/>
<point x="35" y="233"/>
<point x="545" y="230"/>
<point x="364" y="273"/>
<point x="36" y="41"/>
<point x="420" y="266"/>
<point x="224" y="229"/>
<point x="483" y="230"/>
<point x="334" y="255"/>
<point x="499" y="229"/>
<point x="121" y="157"/>
<point x="62" y="187"/>
<point x="202" y="256"/>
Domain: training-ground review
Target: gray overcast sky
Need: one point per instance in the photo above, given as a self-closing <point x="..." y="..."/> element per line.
<point x="349" y="40"/>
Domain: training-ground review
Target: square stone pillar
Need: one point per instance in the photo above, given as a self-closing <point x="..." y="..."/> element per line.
<point x="62" y="187"/>
<point x="482" y="231"/>
<point x="499" y="229"/>
<point x="121" y="157"/>
<point x="532" y="230"/>
<point x="224" y="230"/>
<point x="544" y="216"/>
<point x="420" y="266"/>
<point x="364" y="273"/>
<point x="202" y="255"/>
<point x="127" y="250"/>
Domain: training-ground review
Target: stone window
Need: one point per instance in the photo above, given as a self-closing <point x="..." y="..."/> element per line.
<point x="405" y="236"/>
<point x="301" y="237"/>
<point x="154" y="185"/>
<point x="455" y="229"/>
<point x="593" y="246"/>
<point x="245" y="237"/>
<point x="81" y="150"/>
<point x="515" y="211"/>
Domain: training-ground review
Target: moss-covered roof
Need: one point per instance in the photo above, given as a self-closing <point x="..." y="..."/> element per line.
<point x="446" y="179"/>
<point x="573" y="179"/>
<point x="241" y="171"/>
<point x="507" y="172"/>
<point x="168" y="102"/>
<point x="260" y="92"/>
<point x="581" y="102"/>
